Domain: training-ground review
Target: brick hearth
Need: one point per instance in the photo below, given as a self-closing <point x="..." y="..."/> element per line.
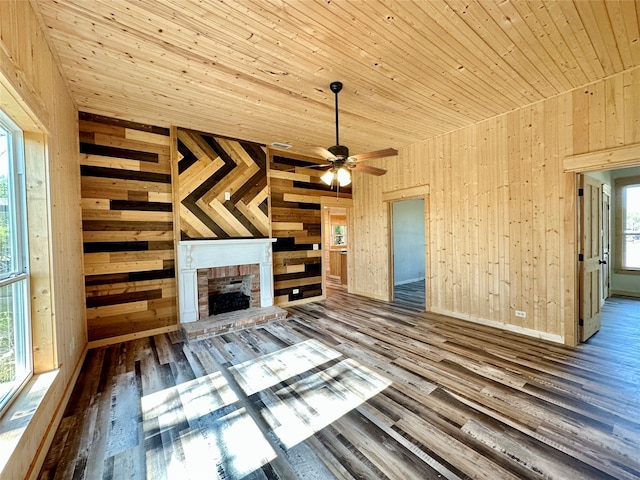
<point x="232" y="321"/>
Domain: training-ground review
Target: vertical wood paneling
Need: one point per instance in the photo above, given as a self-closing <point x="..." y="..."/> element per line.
<point x="499" y="197"/>
<point x="631" y="107"/>
<point x="296" y="223"/>
<point x="31" y="82"/>
<point x="127" y="227"/>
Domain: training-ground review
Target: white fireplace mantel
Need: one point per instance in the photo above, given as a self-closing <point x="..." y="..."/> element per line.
<point x="195" y="254"/>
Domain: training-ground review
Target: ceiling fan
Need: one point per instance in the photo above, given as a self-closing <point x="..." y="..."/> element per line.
<point x="340" y="162"/>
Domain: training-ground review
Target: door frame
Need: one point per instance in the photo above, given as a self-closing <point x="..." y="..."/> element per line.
<point x="325" y="204"/>
<point x="590" y="256"/>
<point x="412" y="193"/>
<point x="606" y="241"/>
<point x="573" y="165"/>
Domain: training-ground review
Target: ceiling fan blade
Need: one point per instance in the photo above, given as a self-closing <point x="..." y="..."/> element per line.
<point x="324" y="165"/>
<point x="323" y="153"/>
<point x="368" y="169"/>
<point x="387" y="152"/>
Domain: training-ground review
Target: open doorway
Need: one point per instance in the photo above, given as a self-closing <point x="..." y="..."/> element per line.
<point x="609" y="242"/>
<point x="408" y="240"/>
<point x="336" y="237"/>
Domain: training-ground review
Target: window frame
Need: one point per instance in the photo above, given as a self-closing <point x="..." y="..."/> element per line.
<point x="18" y="278"/>
<point x="621" y="184"/>
<point x="334" y="235"/>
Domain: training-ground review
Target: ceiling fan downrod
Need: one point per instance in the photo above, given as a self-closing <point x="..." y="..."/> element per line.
<point x="338" y="151"/>
<point x="335" y="88"/>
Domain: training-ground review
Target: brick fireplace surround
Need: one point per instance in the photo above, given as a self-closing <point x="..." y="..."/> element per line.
<point x="227" y="279"/>
<point x="202" y="260"/>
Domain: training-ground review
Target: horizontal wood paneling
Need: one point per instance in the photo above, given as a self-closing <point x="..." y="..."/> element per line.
<point x="127" y="214"/>
<point x="296" y="214"/>
<point x="502" y="210"/>
<point x="211" y="167"/>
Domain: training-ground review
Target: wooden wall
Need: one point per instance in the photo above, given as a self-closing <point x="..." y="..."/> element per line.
<point x="296" y="220"/>
<point x="210" y="167"/>
<point x="502" y="211"/>
<point x="33" y="92"/>
<point x="127" y="225"/>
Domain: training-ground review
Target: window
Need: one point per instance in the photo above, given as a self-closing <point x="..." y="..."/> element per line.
<point x="15" y="332"/>
<point x="628" y="222"/>
<point x="338" y="235"/>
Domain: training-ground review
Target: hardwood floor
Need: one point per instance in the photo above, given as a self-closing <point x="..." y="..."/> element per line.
<point x="410" y="294"/>
<point x="466" y="401"/>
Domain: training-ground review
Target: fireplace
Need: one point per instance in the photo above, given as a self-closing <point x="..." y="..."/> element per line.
<point x="225" y="259"/>
<point x="227" y="289"/>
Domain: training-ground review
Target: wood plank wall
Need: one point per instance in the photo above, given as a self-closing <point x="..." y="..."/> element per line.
<point x="296" y="222"/>
<point x="127" y="224"/>
<point x="502" y="212"/>
<point x="210" y="167"/>
<point x="31" y="82"/>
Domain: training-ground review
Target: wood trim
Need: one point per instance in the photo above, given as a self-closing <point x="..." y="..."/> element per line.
<point x="326" y="201"/>
<point x="569" y="266"/>
<point x="619" y="185"/>
<point x="174" y="155"/>
<point x="626" y="156"/>
<point x="411" y="193"/>
<point x="132" y="336"/>
<point x="38" y="212"/>
<point x="22" y="94"/>
<point x="406" y="193"/>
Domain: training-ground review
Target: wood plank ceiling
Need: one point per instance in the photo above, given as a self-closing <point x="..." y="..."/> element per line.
<point x="259" y="69"/>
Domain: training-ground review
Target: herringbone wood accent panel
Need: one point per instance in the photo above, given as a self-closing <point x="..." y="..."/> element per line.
<point x="127" y="224"/>
<point x="210" y="167"/>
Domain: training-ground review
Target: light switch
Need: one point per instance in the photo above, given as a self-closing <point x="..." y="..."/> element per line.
<point x="227" y="195"/>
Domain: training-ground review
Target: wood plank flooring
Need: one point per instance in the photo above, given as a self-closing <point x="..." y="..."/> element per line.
<point x="465" y="401"/>
<point x="410" y="295"/>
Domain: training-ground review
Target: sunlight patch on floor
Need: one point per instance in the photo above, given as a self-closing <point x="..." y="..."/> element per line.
<point x="206" y="421"/>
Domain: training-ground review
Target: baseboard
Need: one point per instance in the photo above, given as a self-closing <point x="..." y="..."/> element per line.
<point x="384" y="298"/>
<point x="502" y="326"/>
<point x="132" y="336"/>
<point x="622" y="293"/>
<point x="301" y="301"/>
<point x="411" y="280"/>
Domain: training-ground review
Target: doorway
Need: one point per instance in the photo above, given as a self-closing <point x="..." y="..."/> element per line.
<point x="336" y="241"/>
<point x="600" y="247"/>
<point x="408" y="240"/>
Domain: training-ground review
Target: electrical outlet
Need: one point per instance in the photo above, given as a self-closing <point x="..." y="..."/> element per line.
<point x="316" y="246"/>
<point x="227" y="195"/>
<point x="520" y="313"/>
<point x="296" y="291"/>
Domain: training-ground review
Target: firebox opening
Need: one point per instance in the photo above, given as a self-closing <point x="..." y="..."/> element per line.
<point x="228" y="302"/>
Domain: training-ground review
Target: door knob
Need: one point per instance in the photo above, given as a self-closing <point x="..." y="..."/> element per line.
<point x="602" y="262"/>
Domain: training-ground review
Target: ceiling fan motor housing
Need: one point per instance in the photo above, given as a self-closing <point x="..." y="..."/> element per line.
<point x="339" y="151"/>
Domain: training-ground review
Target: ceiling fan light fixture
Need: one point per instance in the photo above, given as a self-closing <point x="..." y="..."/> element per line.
<point x="327" y="177"/>
<point x="341" y="175"/>
<point x="344" y="177"/>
